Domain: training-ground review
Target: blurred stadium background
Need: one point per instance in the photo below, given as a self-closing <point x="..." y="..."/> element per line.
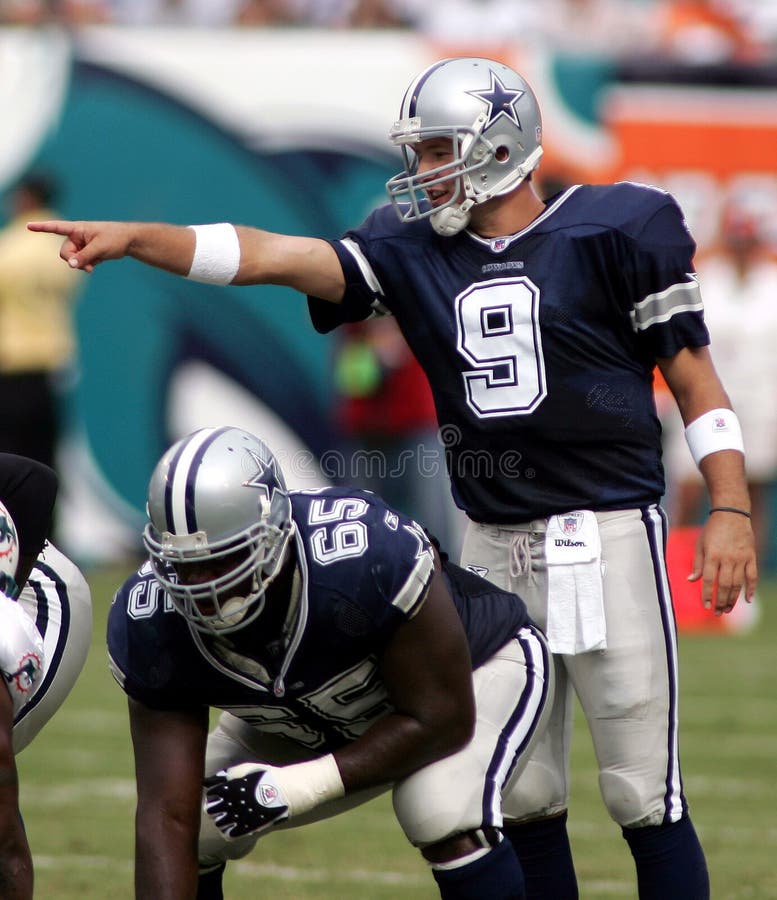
<point x="276" y="114"/>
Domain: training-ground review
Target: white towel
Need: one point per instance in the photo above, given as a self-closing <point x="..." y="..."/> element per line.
<point x="573" y="552"/>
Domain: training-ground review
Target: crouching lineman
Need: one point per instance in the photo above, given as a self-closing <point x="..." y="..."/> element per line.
<point x="347" y="659"/>
<point x="45" y="631"/>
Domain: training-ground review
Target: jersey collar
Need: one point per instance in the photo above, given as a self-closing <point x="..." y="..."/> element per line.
<point x="500" y="244"/>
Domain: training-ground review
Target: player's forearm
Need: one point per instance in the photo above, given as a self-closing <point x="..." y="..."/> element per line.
<point x="16" y="878"/>
<point x="724" y="475"/>
<point x="251" y="797"/>
<point x="393" y="748"/>
<point x="165" y="861"/>
<point x="397" y="746"/>
<point x="169" y="762"/>
<point x="169" y="247"/>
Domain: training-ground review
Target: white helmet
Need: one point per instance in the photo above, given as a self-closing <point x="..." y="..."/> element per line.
<point x="9" y="552"/>
<point x="489" y="113"/>
<point x="216" y="494"/>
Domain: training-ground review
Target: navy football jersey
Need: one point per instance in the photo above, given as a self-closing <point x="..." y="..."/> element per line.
<point x="539" y="346"/>
<point x="364" y="570"/>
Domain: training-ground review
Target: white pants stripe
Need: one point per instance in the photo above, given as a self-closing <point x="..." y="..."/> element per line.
<point x="658" y="528"/>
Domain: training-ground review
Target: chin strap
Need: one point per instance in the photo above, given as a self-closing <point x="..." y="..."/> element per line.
<point x="452" y="219"/>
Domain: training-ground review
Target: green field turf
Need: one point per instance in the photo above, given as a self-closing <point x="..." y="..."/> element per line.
<point x="78" y="793"/>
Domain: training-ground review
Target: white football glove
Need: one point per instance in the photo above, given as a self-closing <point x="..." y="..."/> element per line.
<point x="252" y="797"/>
<point x="245" y="799"/>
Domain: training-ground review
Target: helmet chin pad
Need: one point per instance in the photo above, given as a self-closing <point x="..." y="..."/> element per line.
<point x="451" y="220"/>
<point x="233" y="611"/>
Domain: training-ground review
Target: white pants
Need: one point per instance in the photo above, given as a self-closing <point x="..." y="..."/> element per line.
<point x="628" y="692"/>
<point x="57" y="598"/>
<point x="513" y="696"/>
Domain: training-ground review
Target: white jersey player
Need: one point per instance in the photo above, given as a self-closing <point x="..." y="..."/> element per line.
<point x="45" y="631"/>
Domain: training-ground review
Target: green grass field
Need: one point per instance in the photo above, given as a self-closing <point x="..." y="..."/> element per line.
<point x="78" y="793"/>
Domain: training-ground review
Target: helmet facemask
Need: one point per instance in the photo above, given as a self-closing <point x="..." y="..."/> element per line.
<point x="408" y="189"/>
<point x="235" y="597"/>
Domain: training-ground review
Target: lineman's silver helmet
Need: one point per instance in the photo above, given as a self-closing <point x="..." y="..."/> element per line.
<point x="489" y="113"/>
<point x="215" y="495"/>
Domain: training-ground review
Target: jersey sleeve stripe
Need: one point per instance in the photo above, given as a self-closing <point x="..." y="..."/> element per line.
<point x="117" y="672"/>
<point x="368" y="274"/>
<point x="662" y="306"/>
<point x="411" y="595"/>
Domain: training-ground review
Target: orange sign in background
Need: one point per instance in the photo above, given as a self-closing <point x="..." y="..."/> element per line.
<point x="705" y="145"/>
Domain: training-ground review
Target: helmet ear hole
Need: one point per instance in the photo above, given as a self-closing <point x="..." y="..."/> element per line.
<point x="502" y="153"/>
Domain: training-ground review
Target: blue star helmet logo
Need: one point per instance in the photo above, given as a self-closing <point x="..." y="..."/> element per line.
<point x="500" y="101"/>
<point x="265" y="470"/>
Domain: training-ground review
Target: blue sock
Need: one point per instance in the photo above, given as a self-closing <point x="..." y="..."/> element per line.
<point x="496" y="876"/>
<point x="670" y="861"/>
<point x="209" y="884"/>
<point x="546" y="857"/>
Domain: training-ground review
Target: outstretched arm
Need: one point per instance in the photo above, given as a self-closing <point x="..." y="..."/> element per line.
<point x="725" y="558"/>
<point x="309" y="265"/>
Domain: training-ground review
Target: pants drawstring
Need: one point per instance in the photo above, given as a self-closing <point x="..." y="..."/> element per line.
<point x="520" y="557"/>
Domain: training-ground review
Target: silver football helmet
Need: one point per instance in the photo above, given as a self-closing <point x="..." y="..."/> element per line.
<point x="217" y="502"/>
<point x="492" y="118"/>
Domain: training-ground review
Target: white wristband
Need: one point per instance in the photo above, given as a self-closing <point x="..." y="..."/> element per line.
<point x="307" y="785"/>
<point x="216" y="253"/>
<point x="717" y="429"/>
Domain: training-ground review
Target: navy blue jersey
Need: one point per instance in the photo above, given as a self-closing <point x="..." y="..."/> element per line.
<point x="364" y="570"/>
<point x="539" y="346"/>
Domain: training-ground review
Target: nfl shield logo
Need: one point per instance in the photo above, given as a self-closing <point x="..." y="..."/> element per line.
<point x="392" y="520"/>
<point x="571" y="522"/>
<point x="498" y="244"/>
<point x="267" y="794"/>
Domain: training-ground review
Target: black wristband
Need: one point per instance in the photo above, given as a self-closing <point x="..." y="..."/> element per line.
<point x="733" y="509"/>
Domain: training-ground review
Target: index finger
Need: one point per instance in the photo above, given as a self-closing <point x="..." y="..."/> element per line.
<point x="52" y="226"/>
